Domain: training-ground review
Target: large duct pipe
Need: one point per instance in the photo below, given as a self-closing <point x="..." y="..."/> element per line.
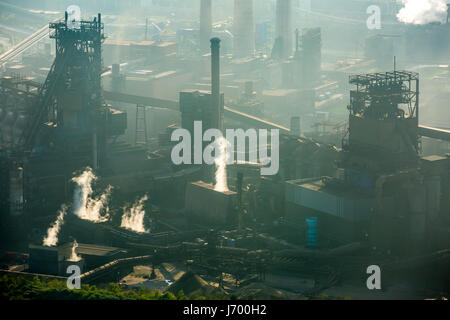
<point x="284" y="26"/>
<point x="215" y="83"/>
<point x="244" y="29"/>
<point x="205" y="24"/>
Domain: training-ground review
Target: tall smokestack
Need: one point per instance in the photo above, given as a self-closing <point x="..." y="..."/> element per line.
<point x="205" y="24"/>
<point x="448" y="12"/>
<point x="284" y="26"/>
<point x="215" y="84"/>
<point x="244" y="29"/>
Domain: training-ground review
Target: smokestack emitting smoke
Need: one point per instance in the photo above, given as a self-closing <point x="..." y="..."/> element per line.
<point x="205" y="24"/>
<point x="84" y="206"/>
<point x="51" y="239"/>
<point x="423" y="11"/>
<point x="74" y="257"/>
<point x="133" y="219"/>
<point x="221" y="144"/>
<point x="243" y="29"/>
<point x="221" y="165"/>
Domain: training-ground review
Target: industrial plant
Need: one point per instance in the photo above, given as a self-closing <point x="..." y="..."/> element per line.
<point x="245" y="149"/>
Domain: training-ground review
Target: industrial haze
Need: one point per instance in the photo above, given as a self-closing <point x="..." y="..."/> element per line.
<point x="109" y="107"/>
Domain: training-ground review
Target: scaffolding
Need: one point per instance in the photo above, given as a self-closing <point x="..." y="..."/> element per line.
<point x="140" y="136"/>
<point x="387" y="95"/>
<point x="383" y="123"/>
<point x="71" y="93"/>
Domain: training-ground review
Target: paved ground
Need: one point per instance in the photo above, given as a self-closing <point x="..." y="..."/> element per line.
<point x="395" y="292"/>
<point x="165" y="275"/>
<point x="169" y="273"/>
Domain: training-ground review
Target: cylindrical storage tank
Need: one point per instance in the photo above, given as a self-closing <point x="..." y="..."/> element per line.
<point x="311" y="233"/>
<point x="243" y="29"/>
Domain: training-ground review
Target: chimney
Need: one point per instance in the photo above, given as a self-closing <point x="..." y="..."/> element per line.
<point x="448" y="12"/>
<point x="244" y="29"/>
<point x="215" y="84"/>
<point x="284" y="26"/>
<point x="205" y="24"/>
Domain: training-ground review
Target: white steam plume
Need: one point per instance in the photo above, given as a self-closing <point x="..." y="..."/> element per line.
<point x="133" y="218"/>
<point x="423" y="11"/>
<point x="221" y="165"/>
<point x="51" y="239"/>
<point x="74" y="257"/>
<point x="86" y="207"/>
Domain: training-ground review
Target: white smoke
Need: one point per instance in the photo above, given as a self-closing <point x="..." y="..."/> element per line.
<point x="133" y="218"/>
<point x="74" y="257"/>
<point x="85" y="206"/>
<point x="221" y="165"/>
<point x="51" y="239"/>
<point x="423" y="11"/>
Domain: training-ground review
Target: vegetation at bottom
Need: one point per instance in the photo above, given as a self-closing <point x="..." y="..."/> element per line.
<point x="23" y="288"/>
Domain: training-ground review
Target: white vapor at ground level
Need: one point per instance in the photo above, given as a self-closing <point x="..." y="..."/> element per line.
<point x="74" y="257"/>
<point x="51" y="239"/>
<point x="85" y="206"/>
<point x="221" y="166"/>
<point x="133" y="218"/>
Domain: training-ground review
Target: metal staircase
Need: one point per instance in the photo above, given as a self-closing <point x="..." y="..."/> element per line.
<point x="141" y="125"/>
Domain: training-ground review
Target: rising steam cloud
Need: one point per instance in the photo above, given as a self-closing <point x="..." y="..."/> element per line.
<point x="74" y="257"/>
<point x="85" y="206"/>
<point x="221" y="166"/>
<point x="423" y="11"/>
<point x="133" y="218"/>
<point x="51" y="239"/>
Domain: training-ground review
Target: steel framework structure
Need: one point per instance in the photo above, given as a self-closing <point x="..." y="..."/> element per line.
<point x="77" y="69"/>
<point x="382" y="95"/>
